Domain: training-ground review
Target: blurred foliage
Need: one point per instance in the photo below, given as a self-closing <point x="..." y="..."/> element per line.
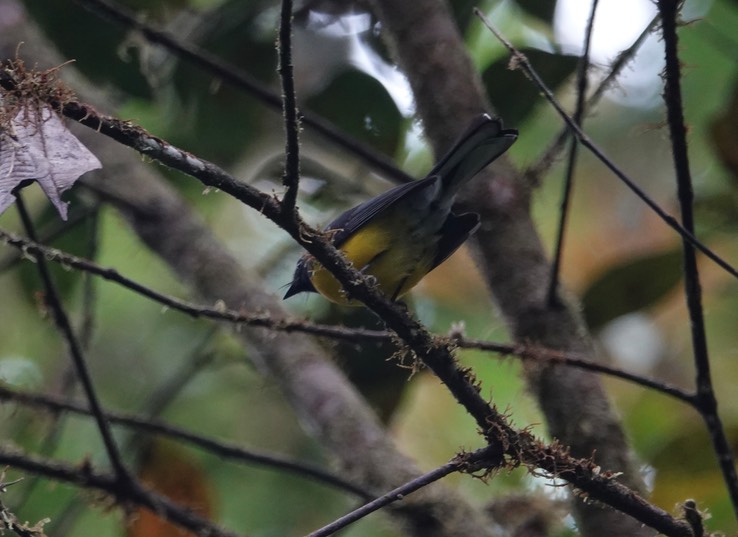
<point x="372" y="367"/>
<point x="542" y="9"/>
<point x="633" y="285"/>
<point x="377" y="122"/>
<point x="725" y="134"/>
<point x="77" y="238"/>
<point x="65" y="22"/>
<point x="618" y="257"/>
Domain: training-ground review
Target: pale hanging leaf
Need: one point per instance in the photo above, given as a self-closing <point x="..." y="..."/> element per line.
<point x="38" y="147"/>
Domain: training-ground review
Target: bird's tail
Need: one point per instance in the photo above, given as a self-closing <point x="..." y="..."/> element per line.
<point x="482" y="142"/>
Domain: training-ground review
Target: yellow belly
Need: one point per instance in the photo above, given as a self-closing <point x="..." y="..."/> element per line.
<point x="396" y="265"/>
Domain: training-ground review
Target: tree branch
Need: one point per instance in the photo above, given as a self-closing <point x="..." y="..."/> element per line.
<point x="291" y="177"/>
<point x="519" y="445"/>
<point x="534" y="172"/>
<point x="582" y="74"/>
<point x="84" y="475"/>
<point x="672" y="222"/>
<point x="265" y="320"/>
<point x="448" y="90"/>
<point x="706" y="401"/>
<point x="153" y="426"/>
<point x="464" y="462"/>
<point x="52" y="300"/>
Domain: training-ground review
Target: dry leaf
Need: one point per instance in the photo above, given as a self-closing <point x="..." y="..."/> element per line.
<point x="38" y="147"/>
<point x="169" y="470"/>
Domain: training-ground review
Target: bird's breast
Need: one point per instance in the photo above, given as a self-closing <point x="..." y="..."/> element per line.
<point x="396" y="249"/>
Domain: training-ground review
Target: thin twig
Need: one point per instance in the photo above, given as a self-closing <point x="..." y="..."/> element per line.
<point x="9" y="521"/>
<point x="85" y="476"/>
<point x="538" y="354"/>
<point x="51" y="297"/>
<point x="216" y="313"/>
<point x="66" y="377"/>
<point x="291" y="177"/>
<point x="521" y="60"/>
<point x="50" y="232"/>
<point x="461" y="463"/>
<point x="264" y="320"/>
<point x="239" y="78"/>
<point x="153" y="426"/>
<point x="582" y="74"/>
<point x="707" y="402"/>
<point x="535" y="171"/>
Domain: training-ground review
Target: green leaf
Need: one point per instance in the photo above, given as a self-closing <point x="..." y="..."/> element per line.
<point x="630" y="286"/>
<point x="93" y="44"/>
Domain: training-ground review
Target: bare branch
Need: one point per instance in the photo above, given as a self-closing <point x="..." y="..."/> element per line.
<point x="706" y="400"/>
<point x="504" y="440"/>
<point x="430" y="48"/>
<point x="540" y="354"/>
<point x="535" y="171"/>
<point x="153" y="426"/>
<point x="525" y="65"/>
<point x="219" y="312"/>
<point x="51" y="297"/>
<point x="291" y="178"/>
<point x="84" y="475"/>
<point x="582" y="74"/>
<point x="465" y="462"/>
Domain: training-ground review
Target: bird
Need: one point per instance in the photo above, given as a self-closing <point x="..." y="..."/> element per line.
<point x="399" y="236"/>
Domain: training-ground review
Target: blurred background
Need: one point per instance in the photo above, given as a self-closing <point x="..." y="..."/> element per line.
<point x="621" y="260"/>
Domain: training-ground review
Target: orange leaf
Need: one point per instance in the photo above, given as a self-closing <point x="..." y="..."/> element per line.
<point x="169" y="470"/>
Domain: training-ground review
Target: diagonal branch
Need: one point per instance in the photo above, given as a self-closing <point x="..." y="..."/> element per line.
<point x="535" y="171"/>
<point x="53" y="301"/>
<point x="84" y="475"/>
<point x="582" y="74"/>
<point x="506" y="442"/>
<point x="326" y="404"/>
<point x="519" y="445"/>
<point x="585" y="140"/>
<point x="465" y="462"/>
<point x="544" y="355"/>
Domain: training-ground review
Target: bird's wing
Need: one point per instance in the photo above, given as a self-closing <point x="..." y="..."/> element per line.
<point x="354" y="219"/>
<point x="456" y="229"/>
